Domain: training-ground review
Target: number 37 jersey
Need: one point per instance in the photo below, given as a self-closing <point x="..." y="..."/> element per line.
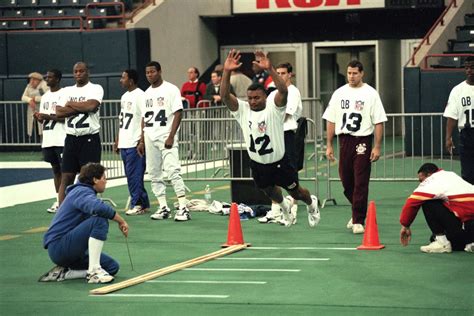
<point x="158" y="111"/>
<point x="263" y="131"/>
<point x="355" y="111"/>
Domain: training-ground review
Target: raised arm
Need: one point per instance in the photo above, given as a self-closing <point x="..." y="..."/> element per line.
<point x="262" y="61"/>
<point x="231" y="63"/>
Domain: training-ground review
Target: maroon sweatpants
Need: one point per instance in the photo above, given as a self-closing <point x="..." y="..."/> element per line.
<point x="354" y="171"/>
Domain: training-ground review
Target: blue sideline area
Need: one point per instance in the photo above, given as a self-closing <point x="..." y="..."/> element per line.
<point x="19" y="176"/>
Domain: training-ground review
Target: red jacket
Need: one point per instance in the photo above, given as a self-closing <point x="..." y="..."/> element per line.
<point x="192" y="92"/>
<point x="457" y="195"/>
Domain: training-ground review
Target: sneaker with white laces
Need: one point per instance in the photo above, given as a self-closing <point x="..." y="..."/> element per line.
<point x="161" y="213"/>
<point x="287" y="217"/>
<point x="56" y="274"/>
<point x="349" y="224"/>
<point x="182" y="215"/>
<point x="314" y="216"/>
<point x="469" y="247"/>
<point x="136" y="210"/>
<point x="270" y="217"/>
<point x="358" y="229"/>
<point x="54" y="208"/>
<point x="99" y="275"/>
<point x="437" y="247"/>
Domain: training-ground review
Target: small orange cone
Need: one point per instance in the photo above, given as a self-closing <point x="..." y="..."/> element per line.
<point x="234" y="233"/>
<point x="371" y="235"/>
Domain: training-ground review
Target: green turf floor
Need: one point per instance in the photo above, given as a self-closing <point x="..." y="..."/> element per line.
<point x="394" y="281"/>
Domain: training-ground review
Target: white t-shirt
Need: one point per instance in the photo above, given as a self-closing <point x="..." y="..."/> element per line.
<point x="158" y="111"/>
<point x="54" y="132"/>
<point x="263" y="130"/>
<point x="130" y="118"/>
<point x="460" y="104"/>
<point x="84" y="123"/>
<point x="355" y="111"/>
<point x="294" y="107"/>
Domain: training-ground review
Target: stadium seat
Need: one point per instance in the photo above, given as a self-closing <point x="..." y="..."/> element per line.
<point x="7" y="3"/>
<point x="3" y="25"/>
<point x="448" y="62"/>
<point x="61" y="24"/>
<point x="26" y="3"/>
<point x="70" y="3"/>
<point x="19" y="25"/>
<point x="465" y="33"/>
<point x="463" y="47"/>
<point x="75" y="12"/>
<point x="43" y="24"/>
<point x="469" y="19"/>
<point x="54" y="12"/>
<point x="12" y="13"/>
<point x="34" y="13"/>
<point x="48" y="3"/>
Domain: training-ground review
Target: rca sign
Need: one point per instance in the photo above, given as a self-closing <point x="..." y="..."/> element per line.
<point x="271" y="6"/>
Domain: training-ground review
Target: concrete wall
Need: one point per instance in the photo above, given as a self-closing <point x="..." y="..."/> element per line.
<point x="180" y="38"/>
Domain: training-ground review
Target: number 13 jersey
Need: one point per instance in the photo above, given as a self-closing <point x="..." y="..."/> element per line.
<point x="263" y="131"/>
<point x="355" y="111"/>
<point x="158" y="111"/>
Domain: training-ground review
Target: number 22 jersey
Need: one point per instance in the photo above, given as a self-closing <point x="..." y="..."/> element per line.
<point x="355" y="111"/>
<point x="158" y="111"/>
<point x="262" y="130"/>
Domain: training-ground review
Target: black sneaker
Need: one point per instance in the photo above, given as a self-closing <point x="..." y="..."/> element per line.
<point x="56" y="274"/>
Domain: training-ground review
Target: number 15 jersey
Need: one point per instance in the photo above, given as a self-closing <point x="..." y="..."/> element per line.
<point x="355" y="111"/>
<point x="158" y="111"/>
<point x="263" y="130"/>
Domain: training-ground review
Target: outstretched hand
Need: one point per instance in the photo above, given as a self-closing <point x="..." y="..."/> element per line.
<point x="232" y="61"/>
<point x="262" y="61"/>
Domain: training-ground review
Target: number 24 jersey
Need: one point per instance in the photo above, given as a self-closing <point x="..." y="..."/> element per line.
<point x="355" y="111"/>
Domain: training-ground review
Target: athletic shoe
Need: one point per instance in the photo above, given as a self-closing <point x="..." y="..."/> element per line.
<point x="270" y="217"/>
<point x="137" y="210"/>
<point x="161" y="213"/>
<point x="54" y="208"/>
<point x="287" y="218"/>
<point x="358" y="229"/>
<point x="99" y="275"/>
<point x="437" y="247"/>
<point x="182" y="215"/>
<point x="469" y="247"/>
<point x="314" y="216"/>
<point x="56" y="274"/>
<point x="349" y="224"/>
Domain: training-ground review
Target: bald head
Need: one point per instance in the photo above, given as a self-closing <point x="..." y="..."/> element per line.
<point x="81" y="73"/>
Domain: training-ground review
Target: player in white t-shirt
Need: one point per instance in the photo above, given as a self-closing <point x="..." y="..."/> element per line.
<point x="82" y="144"/>
<point x="54" y="131"/>
<point x="354" y="113"/>
<point x="130" y="132"/>
<point x="161" y="117"/>
<point x="294" y="108"/>
<point x="261" y="120"/>
<point x="460" y="112"/>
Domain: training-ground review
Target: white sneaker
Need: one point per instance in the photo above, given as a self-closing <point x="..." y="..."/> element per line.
<point x="161" y="213"/>
<point x="137" y="210"/>
<point x="56" y="274"/>
<point x="287" y="217"/>
<point x="314" y="216"/>
<point x="437" y="247"/>
<point x="99" y="276"/>
<point x="293" y="211"/>
<point x="469" y="247"/>
<point x="182" y="215"/>
<point x="349" y="224"/>
<point x="270" y="217"/>
<point x="54" y="208"/>
<point x="358" y="229"/>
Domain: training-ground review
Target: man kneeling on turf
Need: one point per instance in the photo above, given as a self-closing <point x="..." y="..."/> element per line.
<point x="448" y="206"/>
<point x="79" y="229"/>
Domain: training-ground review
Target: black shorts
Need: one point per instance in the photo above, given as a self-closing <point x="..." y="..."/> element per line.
<point x="280" y="173"/>
<point x="79" y="150"/>
<point x="290" y="149"/>
<point x="53" y="155"/>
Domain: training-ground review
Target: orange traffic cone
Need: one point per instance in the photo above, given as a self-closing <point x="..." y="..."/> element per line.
<point x="371" y="235"/>
<point x="234" y="233"/>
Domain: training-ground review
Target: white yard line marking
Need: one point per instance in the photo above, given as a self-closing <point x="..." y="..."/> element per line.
<point x="278" y="259"/>
<point x="163" y="295"/>
<point x="300" y="248"/>
<point x="207" y="282"/>
<point x="244" y="270"/>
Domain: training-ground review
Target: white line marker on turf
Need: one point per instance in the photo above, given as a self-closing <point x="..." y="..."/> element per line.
<point x="278" y="259"/>
<point x="207" y="282"/>
<point x="163" y="295"/>
<point x="244" y="270"/>
<point x="300" y="248"/>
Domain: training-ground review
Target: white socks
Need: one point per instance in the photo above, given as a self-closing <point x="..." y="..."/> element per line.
<point x="442" y="239"/>
<point x="95" y="249"/>
<point x="285" y="205"/>
<point x="182" y="201"/>
<point x="275" y="209"/>
<point x="162" y="201"/>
